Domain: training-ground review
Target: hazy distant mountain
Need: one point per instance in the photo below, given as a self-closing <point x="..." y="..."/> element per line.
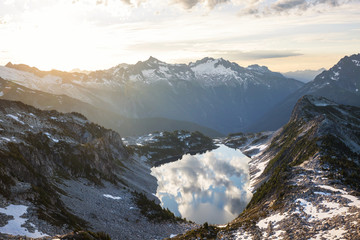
<point x="63" y="103"/>
<point x="341" y="83"/>
<point x="304" y="75"/>
<point x="211" y="92"/>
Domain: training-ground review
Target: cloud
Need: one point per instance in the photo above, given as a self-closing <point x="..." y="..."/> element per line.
<point x="259" y="8"/>
<point x="213" y="3"/>
<point x="248" y="7"/>
<point x="188" y="4"/>
<point x="210" y="188"/>
<point x="287" y="5"/>
<point x="255" y="55"/>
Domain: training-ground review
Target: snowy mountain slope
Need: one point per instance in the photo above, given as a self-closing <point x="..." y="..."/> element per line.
<point x="340" y="84"/>
<point x="65" y="173"/>
<point x="306" y="180"/>
<point x="309" y="187"/>
<point x="63" y="103"/>
<point x="211" y="92"/>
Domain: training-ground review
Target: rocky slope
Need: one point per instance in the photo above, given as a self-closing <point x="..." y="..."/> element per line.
<point x="310" y="185"/>
<point x="341" y="84"/>
<point x="211" y="92"/>
<point x="306" y="181"/>
<point x="163" y="147"/>
<point x="60" y="172"/>
<point x="250" y="144"/>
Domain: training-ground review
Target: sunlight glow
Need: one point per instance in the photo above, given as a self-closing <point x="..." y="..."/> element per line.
<point x="86" y="35"/>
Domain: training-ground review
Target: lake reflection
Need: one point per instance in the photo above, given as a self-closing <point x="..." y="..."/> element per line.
<point x="210" y="187"/>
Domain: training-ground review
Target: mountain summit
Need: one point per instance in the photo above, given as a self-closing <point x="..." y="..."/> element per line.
<point x="306" y="181"/>
<point x="214" y="93"/>
<point x="341" y="84"/>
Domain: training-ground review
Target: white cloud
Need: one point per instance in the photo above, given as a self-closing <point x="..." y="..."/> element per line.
<point x="217" y="180"/>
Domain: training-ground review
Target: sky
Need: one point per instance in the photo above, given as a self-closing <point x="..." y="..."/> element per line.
<point x="285" y="35"/>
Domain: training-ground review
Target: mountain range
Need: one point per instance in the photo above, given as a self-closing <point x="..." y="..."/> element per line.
<point x="63" y="103"/>
<point x="341" y="83"/>
<point x="213" y="96"/>
<point x="214" y="93"/>
<point x="304" y="75"/>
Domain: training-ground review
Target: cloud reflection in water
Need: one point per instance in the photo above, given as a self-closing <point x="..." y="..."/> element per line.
<point x="210" y="187"/>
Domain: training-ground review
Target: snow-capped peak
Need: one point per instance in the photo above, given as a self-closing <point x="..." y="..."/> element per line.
<point x="258" y="68"/>
<point x="211" y="66"/>
<point x="154" y="61"/>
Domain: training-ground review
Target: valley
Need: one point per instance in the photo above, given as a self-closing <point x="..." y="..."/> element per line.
<point x="65" y="176"/>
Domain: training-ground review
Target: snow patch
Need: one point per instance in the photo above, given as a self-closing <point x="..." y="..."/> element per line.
<point x="51" y="137"/>
<point x="14" y="226"/>
<point x="112" y="197"/>
<point x="1" y="94"/>
<point x="6" y="139"/>
<point x="243" y="236"/>
<point x="322" y="193"/>
<point x="319" y="104"/>
<point x="16" y="118"/>
<point x="332" y="189"/>
<point x="334" y="234"/>
<point x="357" y="62"/>
<point x="274" y="219"/>
<point x="354" y="200"/>
<point x="314" y="213"/>
<point x="209" y="68"/>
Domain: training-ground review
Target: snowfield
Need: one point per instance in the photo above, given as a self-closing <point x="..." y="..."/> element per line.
<point x="321" y="211"/>
<point x="14" y="226"/>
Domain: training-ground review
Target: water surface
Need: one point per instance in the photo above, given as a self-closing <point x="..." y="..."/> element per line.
<point x="210" y="187"/>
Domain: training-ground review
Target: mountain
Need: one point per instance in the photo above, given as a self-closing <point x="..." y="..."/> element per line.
<point x="61" y="172"/>
<point x="304" y="75"/>
<point x="306" y="182"/>
<point x="214" y="93"/>
<point x="63" y="103"/>
<point x="341" y="83"/>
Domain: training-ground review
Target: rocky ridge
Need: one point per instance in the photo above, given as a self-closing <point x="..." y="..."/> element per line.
<point x="60" y="172"/>
<point x="306" y="180"/>
<point x="341" y="83"/>
<point x="214" y="93"/>
<point x="309" y="187"/>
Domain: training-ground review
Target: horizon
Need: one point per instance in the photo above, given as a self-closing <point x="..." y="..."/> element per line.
<point x="284" y="35"/>
<point x="142" y="60"/>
